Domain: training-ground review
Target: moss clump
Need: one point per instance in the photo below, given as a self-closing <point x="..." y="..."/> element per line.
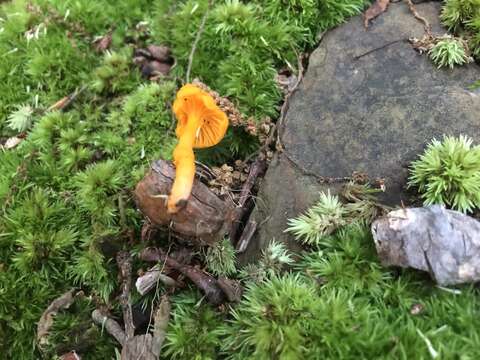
<point x="329" y="214"/>
<point x="449" y="52"/>
<point x="462" y="17"/>
<point x="448" y="173"/>
<point x="339" y="303"/>
<point x="326" y="216"/>
<point x="193" y="331"/>
<point x="273" y="320"/>
<point x="220" y="258"/>
<point x="65" y="190"/>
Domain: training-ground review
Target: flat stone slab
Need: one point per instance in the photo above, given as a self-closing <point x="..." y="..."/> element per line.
<point x="372" y="114"/>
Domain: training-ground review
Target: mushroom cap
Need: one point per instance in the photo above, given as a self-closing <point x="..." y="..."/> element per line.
<point x="192" y="101"/>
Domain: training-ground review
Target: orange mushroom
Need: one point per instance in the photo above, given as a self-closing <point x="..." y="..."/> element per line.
<point x="201" y="124"/>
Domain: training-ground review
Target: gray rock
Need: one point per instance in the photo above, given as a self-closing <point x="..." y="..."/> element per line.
<point x="443" y="242"/>
<point x="373" y="114"/>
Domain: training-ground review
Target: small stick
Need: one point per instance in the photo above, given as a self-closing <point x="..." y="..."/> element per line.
<point x="65" y="102"/>
<point x="112" y="327"/>
<point x="205" y="282"/>
<point x="256" y="170"/>
<point x="162" y="316"/>
<point x="426" y="24"/>
<point x="378" y="48"/>
<point x="46" y="320"/>
<point x="147" y="282"/>
<point x="124" y="262"/>
<point x="197" y="39"/>
<point x="247" y="235"/>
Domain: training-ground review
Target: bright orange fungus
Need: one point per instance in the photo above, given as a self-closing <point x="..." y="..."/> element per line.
<point x="201" y="124"/>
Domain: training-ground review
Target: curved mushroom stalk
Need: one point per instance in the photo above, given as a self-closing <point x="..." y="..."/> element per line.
<point x="184" y="160"/>
<point x="201" y="124"/>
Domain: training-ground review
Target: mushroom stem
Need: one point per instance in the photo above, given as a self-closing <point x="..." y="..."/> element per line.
<point x="184" y="160"/>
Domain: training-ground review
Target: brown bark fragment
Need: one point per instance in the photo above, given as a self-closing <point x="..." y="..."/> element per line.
<point x="205" y="219"/>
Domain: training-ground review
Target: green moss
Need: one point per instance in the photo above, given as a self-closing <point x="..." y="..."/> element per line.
<point x="448" y="173"/>
<point x="449" y="52"/>
<point x="220" y="258"/>
<point x="340" y="303"/>
<point x="66" y="189"/>
<point x="462" y="17"/>
<point x="273" y="320"/>
<point x="244" y="42"/>
<point x="193" y="331"/>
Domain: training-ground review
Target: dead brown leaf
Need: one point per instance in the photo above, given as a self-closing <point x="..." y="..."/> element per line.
<point x="66" y="101"/>
<point x="160" y="53"/>
<point x="102" y="43"/>
<point x="378" y="7"/>
<point x="46" y="320"/>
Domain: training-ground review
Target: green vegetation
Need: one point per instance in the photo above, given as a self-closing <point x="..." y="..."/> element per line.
<point x="329" y="214"/>
<point x="194" y="329"/>
<point x="449" y="52"/>
<point x="66" y="188"/>
<point x="337" y="302"/>
<point x="448" y="173"/>
<point x="275" y="258"/>
<point x="220" y="258"/>
<point x="462" y="17"/>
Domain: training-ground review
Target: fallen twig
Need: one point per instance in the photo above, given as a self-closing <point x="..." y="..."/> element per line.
<point x="197" y="39"/>
<point x="111" y="326"/>
<point x="46" y="320"/>
<point x="162" y="316"/>
<point x="232" y="289"/>
<point x="148" y="281"/>
<point x="65" y="102"/>
<point x="205" y="282"/>
<point x="257" y="169"/>
<point x="124" y="263"/>
<point x="134" y="347"/>
<point x="379" y="48"/>
<point x="247" y="235"/>
<point x="426" y="24"/>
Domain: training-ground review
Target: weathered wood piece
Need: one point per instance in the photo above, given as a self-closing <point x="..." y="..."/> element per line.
<point x="46" y="320"/>
<point x="205" y="282"/>
<point x="257" y="169"/>
<point x="111" y="326"/>
<point x="124" y="262"/>
<point x="205" y="219"/>
<point x="139" y="347"/>
<point x="134" y="347"/>
<point x="149" y="280"/>
<point x="443" y="242"/>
